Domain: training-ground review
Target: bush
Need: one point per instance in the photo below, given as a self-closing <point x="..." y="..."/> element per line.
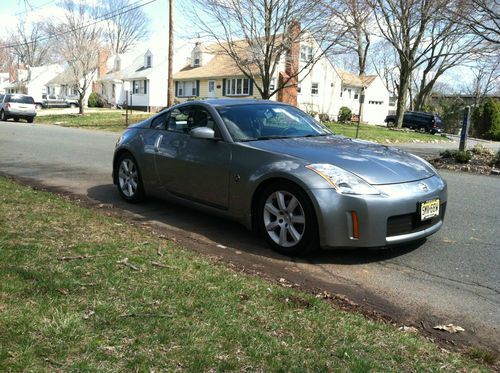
<point x="463" y="156"/>
<point x="96" y="100"/>
<point x="486" y="120"/>
<point x="312" y="113"/>
<point x="479" y="149"/>
<point x="448" y="154"/>
<point x="324" y="118"/>
<point x="345" y="114"/>
<point x="496" y="161"/>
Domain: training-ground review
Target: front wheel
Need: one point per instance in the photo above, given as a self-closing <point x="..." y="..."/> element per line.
<point x="3" y="117"/>
<point x="129" y="179"/>
<point x="287" y="220"/>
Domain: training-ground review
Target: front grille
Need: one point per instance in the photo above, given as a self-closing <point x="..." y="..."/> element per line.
<point x="411" y="223"/>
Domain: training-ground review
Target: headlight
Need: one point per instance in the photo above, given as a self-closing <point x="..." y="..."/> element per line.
<point x="343" y="181"/>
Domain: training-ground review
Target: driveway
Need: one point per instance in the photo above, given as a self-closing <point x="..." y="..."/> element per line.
<point x="453" y="277"/>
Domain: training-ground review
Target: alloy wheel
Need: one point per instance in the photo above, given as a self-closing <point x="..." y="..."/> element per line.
<point x="128" y="177"/>
<point x="284" y="218"/>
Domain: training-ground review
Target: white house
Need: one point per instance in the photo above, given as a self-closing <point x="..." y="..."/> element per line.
<point x="320" y="89"/>
<point x="63" y="84"/>
<point x="140" y="76"/>
<point x="4" y="81"/>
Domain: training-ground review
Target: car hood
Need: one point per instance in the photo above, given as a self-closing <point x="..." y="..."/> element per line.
<point x="377" y="164"/>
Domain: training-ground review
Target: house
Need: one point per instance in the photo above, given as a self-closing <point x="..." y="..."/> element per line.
<point x="4" y="81"/>
<point x="377" y="98"/>
<point x="137" y="79"/>
<point x="212" y="73"/>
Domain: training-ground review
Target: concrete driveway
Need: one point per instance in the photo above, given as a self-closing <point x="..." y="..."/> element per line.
<point x="453" y="277"/>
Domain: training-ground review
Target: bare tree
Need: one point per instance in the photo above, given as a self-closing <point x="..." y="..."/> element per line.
<point x="482" y="17"/>
<point x="30" y="43"/>
<point x="6" y="57"/>
<point x="126" y="24"/>
<point x="356" y="17"/>
<point x="451" y="44"/>
<point x="486" y="79"/>
<point x="79" y="44"/>
<point x="384" y="62"/>
<point x="258" y="35"/>
<point x="405" y="25"/>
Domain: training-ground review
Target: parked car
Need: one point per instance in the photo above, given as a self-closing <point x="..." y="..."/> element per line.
<point x="17" y="106"/>
<point x="53" y="101"/>
<point x="423" y="122"/>
<point x="275" y="169"/>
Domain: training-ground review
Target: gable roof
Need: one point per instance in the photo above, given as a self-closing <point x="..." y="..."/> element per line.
<point x="354" y="80"/>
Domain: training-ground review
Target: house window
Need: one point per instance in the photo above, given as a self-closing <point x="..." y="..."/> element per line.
<point x="117" y="64"/>
<point x="186" y="89"/>
<point x="139" y="87"/>
<point x="349" y="92"/>
<point x="314" y="88"/>
<point x="272" y="84"/>
<point x="237" y="87"/>
<point x="299" y="88"/>
<point x="356" y="95"/>
<point x="197" y="59"/>
<point x="148" y="61"/>
<point x="306" y="53"/>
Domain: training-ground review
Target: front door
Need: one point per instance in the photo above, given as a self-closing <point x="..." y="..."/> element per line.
<point x="211" y="89"/>
<point x="195" y="169"/>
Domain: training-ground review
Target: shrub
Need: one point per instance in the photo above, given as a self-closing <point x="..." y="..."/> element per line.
<point x="496" y="161"/>
<point x="345" y="114"/>
<point x="324" y="117"/>
<point x="96" y="100"/>
<point x="479" y="149"/>
<point x="448" y="154"/>
<point x="312" y="113"/>
<point x="463" y="156"/>
<point x="486" y="120"/>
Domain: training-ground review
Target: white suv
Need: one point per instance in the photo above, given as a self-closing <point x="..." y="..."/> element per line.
<point x="17" y="106"/>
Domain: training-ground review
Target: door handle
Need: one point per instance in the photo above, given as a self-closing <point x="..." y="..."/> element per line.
<point x="157" y="143"/>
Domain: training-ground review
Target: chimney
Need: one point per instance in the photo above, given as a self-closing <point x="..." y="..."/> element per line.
<point x="289" y="93"/>
<point x="12" y="73"/>
<point x="102" y="59"/>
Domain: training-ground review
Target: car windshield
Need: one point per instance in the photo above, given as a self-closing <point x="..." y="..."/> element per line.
<point x="269" y="121"/>
<point x="22" y="99"/>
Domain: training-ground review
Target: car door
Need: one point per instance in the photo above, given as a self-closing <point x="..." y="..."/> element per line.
<point x="192" y="168"/>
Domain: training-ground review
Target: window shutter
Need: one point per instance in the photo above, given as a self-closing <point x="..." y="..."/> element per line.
<point x="197" y="88"/>
<point x="145" y="86"/>
<point x="133" y="86"/>
<point x="223" y="87"/>
<point x="250" y="90"/>
<point x="176" y="89"/>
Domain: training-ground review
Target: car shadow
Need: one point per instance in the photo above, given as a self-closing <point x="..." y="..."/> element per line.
<point x="232" y="234"/>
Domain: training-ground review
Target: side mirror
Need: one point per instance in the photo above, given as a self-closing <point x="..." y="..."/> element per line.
<point x="202" y="133"/>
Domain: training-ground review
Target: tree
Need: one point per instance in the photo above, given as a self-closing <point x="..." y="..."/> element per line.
<point x="30" y="43"/>
<point x="355" y="17"/>
<point x="258" y="34"/>
<point x="6" y="57"/>
<point x="405" y="25"/>
<point x="126" y="24"/>
<point x="482" y="17"/>
<point x="79" y="39"/>
<point x="486" y="79"/>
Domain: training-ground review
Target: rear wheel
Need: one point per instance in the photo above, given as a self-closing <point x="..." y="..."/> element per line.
<point x="422" y="129"/>
<point x="73" y="105"/>
<point x="129" y="179"/>
<point x="16" y="119"/>
<point x="30" y="120"/>
<point x="391" y="124"/>
<point x="287" y="220"/>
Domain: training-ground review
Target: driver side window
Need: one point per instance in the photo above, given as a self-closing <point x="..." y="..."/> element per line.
<point x="184" y="119"/>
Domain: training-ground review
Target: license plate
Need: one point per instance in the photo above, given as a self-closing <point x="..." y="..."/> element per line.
<point x="429" y="209"/>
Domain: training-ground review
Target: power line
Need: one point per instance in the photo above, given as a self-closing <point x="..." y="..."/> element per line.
<point x="103" y="18"/>
<point x="32" y="8"/>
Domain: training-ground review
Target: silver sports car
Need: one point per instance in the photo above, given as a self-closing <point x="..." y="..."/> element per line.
<point x="278" y="171"/>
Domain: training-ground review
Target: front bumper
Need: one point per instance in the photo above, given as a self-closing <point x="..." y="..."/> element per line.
<point x="386" y="219"/>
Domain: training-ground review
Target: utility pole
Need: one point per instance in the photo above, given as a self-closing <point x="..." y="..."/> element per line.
<point x="170" y="84"/>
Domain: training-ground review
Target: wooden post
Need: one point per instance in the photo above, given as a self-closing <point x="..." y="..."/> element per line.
<point x="170" y="83"/>
<point x="126" y="108"/>
<point x="361" y="102"/>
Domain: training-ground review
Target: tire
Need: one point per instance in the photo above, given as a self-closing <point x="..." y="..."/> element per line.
<point x="38" y="106"/>
<point x="3" y="116"/>
<point x="16" y="119"/>
<point x="73" y="106"/>
<point x="30" y="120"/>
<point x="289" y="232"/>
<point x="391" y="124"/>
<point x="422" y="129"/>
<point x="129" y="179"/>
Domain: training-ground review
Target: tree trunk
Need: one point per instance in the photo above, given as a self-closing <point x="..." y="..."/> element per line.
<point x="80" y="105"/>
<point x="404" y="83"/>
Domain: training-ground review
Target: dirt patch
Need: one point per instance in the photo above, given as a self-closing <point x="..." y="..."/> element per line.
<point x="478" y="160"/>
<point x="358" y="300"/>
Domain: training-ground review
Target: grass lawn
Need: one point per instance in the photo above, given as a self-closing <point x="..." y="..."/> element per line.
<point x="382" y="134"/>
<point x="80" y="291"/>
<point x="106" y="120"/>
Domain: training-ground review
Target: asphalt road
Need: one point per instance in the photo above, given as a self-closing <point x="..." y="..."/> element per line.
<point x="452" y="277"/>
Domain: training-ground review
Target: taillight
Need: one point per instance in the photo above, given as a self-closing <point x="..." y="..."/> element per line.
<point x="8" y="105"/>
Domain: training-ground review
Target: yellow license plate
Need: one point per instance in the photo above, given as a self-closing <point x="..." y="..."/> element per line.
<point x="429" y="209"/>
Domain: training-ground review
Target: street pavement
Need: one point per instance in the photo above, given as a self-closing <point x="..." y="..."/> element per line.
<point x="452" y="277"/>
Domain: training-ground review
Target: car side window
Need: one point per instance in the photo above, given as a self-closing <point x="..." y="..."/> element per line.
<point x="186" y="118"/>
<point x="1" y="98"/>
<point x="160" y="122"/>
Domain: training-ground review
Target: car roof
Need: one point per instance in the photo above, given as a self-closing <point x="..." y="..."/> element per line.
<point x="227" y="102"/>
